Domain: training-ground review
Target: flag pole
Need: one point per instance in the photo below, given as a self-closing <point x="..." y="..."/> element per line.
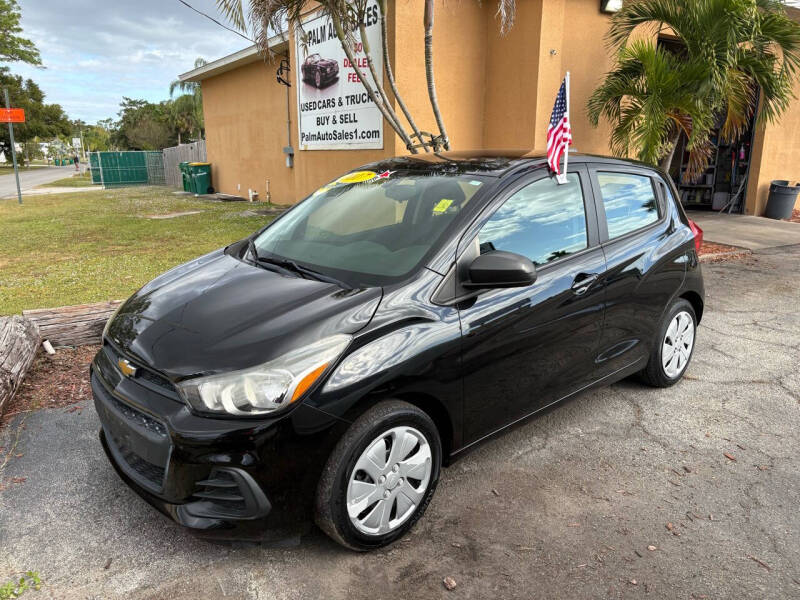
<point x="562" y="178"/>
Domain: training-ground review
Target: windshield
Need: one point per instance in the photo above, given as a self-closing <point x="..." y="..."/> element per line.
<point x="368" y="228"/>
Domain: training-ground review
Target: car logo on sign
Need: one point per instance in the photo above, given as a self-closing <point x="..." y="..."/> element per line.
<point x="126" y="367"/>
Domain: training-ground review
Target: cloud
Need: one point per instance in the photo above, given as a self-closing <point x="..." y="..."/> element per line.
<point x="95" y="53"/>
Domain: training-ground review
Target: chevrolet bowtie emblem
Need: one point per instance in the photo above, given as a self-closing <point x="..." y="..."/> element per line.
<point x="126" y="367"/>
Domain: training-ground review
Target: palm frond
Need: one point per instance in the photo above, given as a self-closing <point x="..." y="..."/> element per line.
<point x="506" y="13"/>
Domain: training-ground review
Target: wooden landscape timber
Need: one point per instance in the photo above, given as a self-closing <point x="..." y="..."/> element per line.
<point x="72" y="325"/>
<point x="19" y="341"/>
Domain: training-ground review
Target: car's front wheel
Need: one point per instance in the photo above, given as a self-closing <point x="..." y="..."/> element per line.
<point x="381" y="476"/>
<point x="674" y="346"/>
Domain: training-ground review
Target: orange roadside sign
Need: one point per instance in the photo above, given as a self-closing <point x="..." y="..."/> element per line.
<point x="12" y="115"/>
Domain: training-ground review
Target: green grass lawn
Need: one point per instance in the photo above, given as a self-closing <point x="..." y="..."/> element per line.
<point x="84" y="180"/>
<point x="83" y="247"/>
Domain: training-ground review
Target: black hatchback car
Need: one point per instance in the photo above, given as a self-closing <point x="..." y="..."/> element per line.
<point x="329" y="365"/>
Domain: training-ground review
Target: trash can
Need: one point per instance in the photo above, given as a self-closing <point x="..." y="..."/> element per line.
<point x="200" y="174"/>
<point x="781" y="200"/>
<point x="185" y="177"/>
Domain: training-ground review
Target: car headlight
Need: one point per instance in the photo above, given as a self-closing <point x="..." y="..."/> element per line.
<point x="266" y="388"/>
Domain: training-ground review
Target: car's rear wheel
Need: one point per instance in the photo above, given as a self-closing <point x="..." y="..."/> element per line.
<point x="381" y="476"/>
<point x="674" y="346"/>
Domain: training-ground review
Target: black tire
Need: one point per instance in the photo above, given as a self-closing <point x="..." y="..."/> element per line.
<point x="331" y="510"/>
<point x="654" y="374"/>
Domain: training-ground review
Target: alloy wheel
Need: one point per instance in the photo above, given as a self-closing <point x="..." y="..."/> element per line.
<point x="389" y="481"/>
<point x="677" y="346"/>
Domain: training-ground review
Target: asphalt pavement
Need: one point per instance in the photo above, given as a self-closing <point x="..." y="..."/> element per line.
<point x="30" y="178"/>
<point x="623" y="492"/>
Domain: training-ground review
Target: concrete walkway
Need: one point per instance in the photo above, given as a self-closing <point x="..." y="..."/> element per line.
<point x="46" y="191"/>
<point x="754" y="233"/>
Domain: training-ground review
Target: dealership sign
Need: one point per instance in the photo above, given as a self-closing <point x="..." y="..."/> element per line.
<point x="12" y="115"/>
<point x="335" y="111"/>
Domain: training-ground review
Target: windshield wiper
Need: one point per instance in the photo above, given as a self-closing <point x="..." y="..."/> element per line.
<point x="304" y="272"/>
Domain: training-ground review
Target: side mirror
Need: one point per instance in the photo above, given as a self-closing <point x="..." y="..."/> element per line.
<point x="500" y="269"/>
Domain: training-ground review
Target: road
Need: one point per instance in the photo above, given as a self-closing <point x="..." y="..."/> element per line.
<point x="30" y="178"/>
<point x="623" y="492"/>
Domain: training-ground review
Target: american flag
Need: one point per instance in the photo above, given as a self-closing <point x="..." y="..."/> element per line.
<point x="559" y="135"/>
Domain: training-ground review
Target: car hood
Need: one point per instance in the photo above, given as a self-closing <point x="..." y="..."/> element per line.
<point x="218" y="313"/>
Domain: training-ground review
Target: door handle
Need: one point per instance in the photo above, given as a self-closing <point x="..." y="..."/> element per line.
<point x="582" y="283"/>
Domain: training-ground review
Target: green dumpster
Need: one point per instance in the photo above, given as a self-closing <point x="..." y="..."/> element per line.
<point x="200" y="178"/>
<point x="185" y="177"/>
<point x="57" y="162"/>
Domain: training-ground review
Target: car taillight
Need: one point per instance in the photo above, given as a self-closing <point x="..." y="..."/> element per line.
<point x="698" y="235"/>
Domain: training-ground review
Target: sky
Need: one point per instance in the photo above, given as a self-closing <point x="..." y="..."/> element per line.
<point x="97" y="51"/>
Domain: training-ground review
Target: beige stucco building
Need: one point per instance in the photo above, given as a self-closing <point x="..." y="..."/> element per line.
<point x="495" y="92"/>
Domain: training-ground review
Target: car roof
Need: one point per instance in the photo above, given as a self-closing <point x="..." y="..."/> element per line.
<point x="493" y="163"/>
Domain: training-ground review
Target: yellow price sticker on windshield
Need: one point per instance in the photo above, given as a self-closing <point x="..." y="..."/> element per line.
<point x="322" y="190"/>
<point x="442" y="206"/>
<point x="357" y="177"/>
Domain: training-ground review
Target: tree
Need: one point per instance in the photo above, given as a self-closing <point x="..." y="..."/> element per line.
<point x="14" y="47"/>
<point x="749" y="50"/>
<point x="263" y="17"/>
<point x="188" y="87"/>
<point x="650" y="94"/>
<point x="187" y="109"/>
<point x="42" y="120"/>
<point x="186" y="115"/>
<point x="143" y="125"/>
<point x="96" y="138"/>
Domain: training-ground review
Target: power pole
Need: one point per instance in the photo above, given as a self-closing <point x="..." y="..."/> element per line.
<point x="13" y="148"/>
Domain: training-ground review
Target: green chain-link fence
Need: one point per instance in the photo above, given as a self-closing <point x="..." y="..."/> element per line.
<point x="118" y="169"/>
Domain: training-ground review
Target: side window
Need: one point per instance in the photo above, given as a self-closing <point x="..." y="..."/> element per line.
<point x="629" y="201"/>
<point x="543" y="221"/>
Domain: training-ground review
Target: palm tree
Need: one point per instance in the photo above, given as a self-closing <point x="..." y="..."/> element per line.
<point x="185" y="115"/>
<point x="750" y="51"/>
<point x="186" y="111"/>
<point x="649" y="95"/>
<point x="428" y="22"/>
<point x="188" y="87"/>
<point x="263" y="18"/>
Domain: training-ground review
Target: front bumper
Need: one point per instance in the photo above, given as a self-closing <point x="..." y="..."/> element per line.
<point x="220" y="477"/>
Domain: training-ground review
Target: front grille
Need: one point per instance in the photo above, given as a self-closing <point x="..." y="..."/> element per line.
<point x="138" y="418"/>
<point x="157" y="380"/>
<point x="152" y="473"/>
<point x="144" y="376"/>
<point x="139" y="443"/>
